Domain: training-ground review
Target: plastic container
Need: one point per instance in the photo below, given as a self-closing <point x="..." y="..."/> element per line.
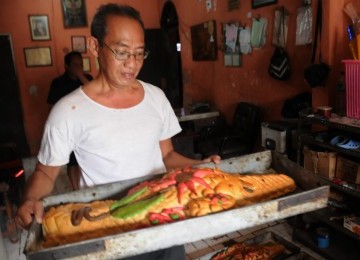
<point x="352" y="83"/>
<point x="323" y="239"/>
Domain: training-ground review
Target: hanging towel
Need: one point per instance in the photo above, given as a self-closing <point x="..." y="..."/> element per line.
<point x="258" y="32"/>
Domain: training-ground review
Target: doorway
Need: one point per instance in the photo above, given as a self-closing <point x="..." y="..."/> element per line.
<point x="12" y="131"/>
<point x="163" y="66"/>
<point x="172" y="48"/>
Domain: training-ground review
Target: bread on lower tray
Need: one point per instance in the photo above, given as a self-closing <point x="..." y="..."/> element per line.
<point x="179" y="194"/>
<point x="249" y="252"/>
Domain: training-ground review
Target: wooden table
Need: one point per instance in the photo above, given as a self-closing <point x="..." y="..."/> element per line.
<point x="191" y="124"/>
<point x="183" y="115"/>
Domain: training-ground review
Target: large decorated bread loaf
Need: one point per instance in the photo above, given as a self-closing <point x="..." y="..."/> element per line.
<point x="179" y="194"/>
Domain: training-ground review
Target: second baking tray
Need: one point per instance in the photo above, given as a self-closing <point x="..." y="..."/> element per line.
<point x="268" y="238"/>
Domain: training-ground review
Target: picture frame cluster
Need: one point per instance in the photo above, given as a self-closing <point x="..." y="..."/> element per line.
<point x="74" y="16"/>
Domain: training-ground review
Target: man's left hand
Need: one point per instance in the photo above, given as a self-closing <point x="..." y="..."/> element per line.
<point x="213" y="158"/>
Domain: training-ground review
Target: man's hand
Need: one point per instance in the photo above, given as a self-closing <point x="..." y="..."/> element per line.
<point x="213" y="158"/>
<point x="29" y="209"/>
<point x="39" y="185"/>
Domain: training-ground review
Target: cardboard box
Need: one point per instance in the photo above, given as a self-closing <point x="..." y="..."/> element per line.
<point x="352" y="223"/>
<point x="348" y="170"/>
<point x="322" y="163"/>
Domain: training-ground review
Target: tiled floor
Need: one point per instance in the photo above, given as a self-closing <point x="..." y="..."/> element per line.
<point x="15" y="250"/>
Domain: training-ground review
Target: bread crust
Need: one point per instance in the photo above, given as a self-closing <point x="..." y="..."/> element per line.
<point x="183" y="196"/>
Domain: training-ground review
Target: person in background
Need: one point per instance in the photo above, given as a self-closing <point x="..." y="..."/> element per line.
<point x="119" y="127"/>
<point x="73" y="77"/>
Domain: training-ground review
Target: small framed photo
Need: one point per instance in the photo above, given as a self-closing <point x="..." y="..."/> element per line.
<point x="74" y="13"/>
<point x="86" y="64"/>
<point x="39" y="27"/>
<point x="78" y="43"/>
<point x="203" y="41"/>
<point x="261" y="3"/>
<point x="38" y="57"/>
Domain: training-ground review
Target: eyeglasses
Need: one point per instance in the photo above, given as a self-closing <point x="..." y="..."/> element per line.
<point x="123" y="56"/>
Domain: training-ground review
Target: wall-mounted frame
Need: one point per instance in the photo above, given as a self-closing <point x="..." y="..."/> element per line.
<point x="38" y="56"/>
<point x="39" y="27"/>
<point x="78" y="43"/>
<point x="261" y="3"/>
<point x="86" y="64"/>
<point x="203" y="41"/>
<point x="74" y="13"/>
<point x="233" y="5"/>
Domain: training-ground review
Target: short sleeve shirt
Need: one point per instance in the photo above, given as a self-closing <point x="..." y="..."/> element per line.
<point x="109" y="144"/>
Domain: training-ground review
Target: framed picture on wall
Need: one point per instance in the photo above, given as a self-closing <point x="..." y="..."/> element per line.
<point x="38" y="57"/>
<point x="86" y="64"/>
<point x="74" y="13"/>
<point x="203" y="41"/>
<point x="78" y="43"/>
<point x="39" y="27"/>
<point x="261" y="3"/>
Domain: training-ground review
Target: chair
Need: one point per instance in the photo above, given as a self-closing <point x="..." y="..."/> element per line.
<point x="234" y="140"/>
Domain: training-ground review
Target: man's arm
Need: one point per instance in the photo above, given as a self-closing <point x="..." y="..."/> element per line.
<point x="39" y="185"/>
<point x="172" y="159"/>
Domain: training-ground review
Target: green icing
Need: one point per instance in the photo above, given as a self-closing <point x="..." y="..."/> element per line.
<point x="174" y="216"/>
<point x="131" y="210"/>
<point x="128" y="199"/>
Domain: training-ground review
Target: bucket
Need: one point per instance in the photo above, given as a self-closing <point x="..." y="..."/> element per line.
<point x="352" y="83"/>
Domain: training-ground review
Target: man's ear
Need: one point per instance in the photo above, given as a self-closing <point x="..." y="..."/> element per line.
<point x="93" y="46"/>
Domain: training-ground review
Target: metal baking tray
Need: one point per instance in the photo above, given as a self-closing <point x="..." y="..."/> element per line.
<point x="159" y="237"/>
<point x="302" y="256"/>
<point x="268" y="238"/>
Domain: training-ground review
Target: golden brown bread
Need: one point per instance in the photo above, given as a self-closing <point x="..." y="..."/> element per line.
<point x="250" y="252"/>
<point x="177" y="195"/>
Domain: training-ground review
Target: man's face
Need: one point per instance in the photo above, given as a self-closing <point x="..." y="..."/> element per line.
<point x="75" y="67"/>
<point x="123" y="35"/>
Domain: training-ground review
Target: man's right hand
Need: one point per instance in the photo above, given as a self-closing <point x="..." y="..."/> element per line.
<point x="39" y="185"/>
<point x="27" y="211"/>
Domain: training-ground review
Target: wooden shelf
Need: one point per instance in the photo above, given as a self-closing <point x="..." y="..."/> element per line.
<point x="344" y="244"/>
<point x="324" y="215"/>
<point x="312" y="118"/>
<point x="339" y="248"/>
<point x="311" y="140"/>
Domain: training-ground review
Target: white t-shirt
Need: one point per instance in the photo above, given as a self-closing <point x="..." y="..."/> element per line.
<point x="109" y="144"/>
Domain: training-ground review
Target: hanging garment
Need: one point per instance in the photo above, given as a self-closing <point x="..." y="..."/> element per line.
<point x="258" y="32"/>
<point x="245" y="40"/>
<point x="304" y="25"/>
